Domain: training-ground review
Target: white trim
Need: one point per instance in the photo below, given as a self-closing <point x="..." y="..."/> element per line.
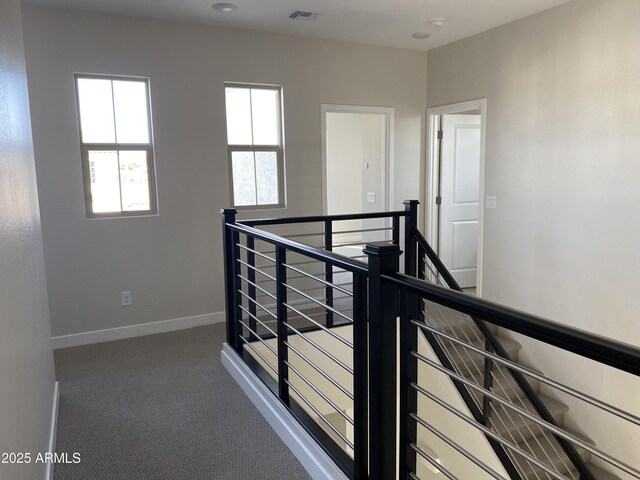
<point x="431" y="218"/>
<point x="312" y="457"/>
<point x="387" y="172"/>
<point x="48" y="474"/>
<point x="130" y="331"/>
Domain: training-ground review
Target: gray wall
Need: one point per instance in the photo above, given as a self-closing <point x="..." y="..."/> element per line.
<point x="563" y="160"/>
<point x="26" y="363"/>
<point x="172" y="262"/>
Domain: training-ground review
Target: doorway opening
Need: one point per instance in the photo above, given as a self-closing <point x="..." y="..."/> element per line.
<point x="356" y="158"/>
<point x="455" y="188"/>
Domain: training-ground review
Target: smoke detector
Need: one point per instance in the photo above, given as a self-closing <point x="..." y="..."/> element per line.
<point x="301" y="15"/>
<point x="436" y="22"/>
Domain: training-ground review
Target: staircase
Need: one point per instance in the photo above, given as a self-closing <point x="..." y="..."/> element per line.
<point x="518" y="429"/>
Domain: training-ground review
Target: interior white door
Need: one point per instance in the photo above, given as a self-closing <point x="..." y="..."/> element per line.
<point x="460" y="196"/>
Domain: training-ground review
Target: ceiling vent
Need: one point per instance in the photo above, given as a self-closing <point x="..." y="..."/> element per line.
<point x="300" y="15"/>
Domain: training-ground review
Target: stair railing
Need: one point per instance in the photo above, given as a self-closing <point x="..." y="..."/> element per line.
<point x="607" y="352"/>
<point x="492" y="344"/>
<point x="274" y="285"/>
<point x="338" y="374"/>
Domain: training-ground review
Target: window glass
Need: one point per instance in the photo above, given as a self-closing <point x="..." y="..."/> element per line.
<point x="134" y="180"/>
<point x="267" y="177"/>
<point x="264" y="112"/>
<point x="254" y="138"/>
<point x="116" y="145"/>
<point x="130" y="101"/>
<point x="239" y="116"/>
<point x="96" y="111"/>
<point x="244" y="178"/>
<point x="105" y="184"/>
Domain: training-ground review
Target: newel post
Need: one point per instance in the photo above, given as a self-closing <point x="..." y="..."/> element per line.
<point x="231" y="254"/>
<point x="410" y="245"/>
<point x="384" y="258"/>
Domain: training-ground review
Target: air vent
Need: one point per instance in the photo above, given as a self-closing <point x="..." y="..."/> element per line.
<point x="300" y="15"/>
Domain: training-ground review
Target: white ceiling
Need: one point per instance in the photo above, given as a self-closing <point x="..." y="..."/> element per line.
<point x="377" y="22"/>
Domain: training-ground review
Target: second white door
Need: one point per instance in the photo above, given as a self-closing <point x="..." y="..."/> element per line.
<point x="460" y="196"/>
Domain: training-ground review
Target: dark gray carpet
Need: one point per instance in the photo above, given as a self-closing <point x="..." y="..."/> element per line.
<point x="162" y="407"/>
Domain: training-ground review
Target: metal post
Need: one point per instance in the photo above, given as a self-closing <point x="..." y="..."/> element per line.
<point x="281" y="312"/>
<point x="410" y="309"/>
<point x="408" y="371"/>
<point x="360" y="378"/>
<point x="231" y="253"/>
<point x="487" y="384"/>
<point x="383" y="314"/>
<point x="328" y="270"/>
<point x="251" y="275"/>
<point x="410" y="244"/>
<point x="395" y="230"/>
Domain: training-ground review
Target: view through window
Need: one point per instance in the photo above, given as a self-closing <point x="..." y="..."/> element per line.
<point x="254" y="138"/>
<point x="117" y="153"/>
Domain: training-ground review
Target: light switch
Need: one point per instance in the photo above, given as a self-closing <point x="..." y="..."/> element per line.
<point x="371" y="197"/>
<point x="490" y="202"/>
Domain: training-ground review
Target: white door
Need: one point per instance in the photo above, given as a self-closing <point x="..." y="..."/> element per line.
<point x="460" y="196"/>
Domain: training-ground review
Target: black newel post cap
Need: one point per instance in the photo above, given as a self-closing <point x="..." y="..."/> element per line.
<point x="382" y="249"/>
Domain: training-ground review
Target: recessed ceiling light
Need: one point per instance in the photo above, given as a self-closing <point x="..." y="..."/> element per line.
<point x="224" y="7"/>
<point x="421" y="35"/>
<point x="437" y="22"/>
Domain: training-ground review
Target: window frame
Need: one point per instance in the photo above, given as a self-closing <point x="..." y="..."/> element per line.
<point x="277" y="148"/>
<point x="85" y="148"/>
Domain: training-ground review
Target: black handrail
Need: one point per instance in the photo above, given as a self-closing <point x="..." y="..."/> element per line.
<point x="435" y="259"/>
<point x="321" y="218"/>
<point x="498" y="348"/>
<point x="614" y="353"/>
<point x="334" y="259"/>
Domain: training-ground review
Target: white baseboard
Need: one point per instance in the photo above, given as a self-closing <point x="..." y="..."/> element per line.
<point x="130" y="331"/>
<point x="312" y="457"/>
<point x="48" y="475"/>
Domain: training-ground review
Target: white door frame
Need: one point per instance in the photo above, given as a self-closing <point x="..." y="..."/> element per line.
<point x="433" y="174"/>
<point x="387" y="170"/>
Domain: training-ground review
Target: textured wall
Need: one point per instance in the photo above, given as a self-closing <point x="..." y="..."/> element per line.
<point x="26" y="362"/>
<point x="172" y="262"/>
<point x="563" y="160"/>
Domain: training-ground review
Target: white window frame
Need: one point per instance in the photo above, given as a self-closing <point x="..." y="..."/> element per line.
<point x="85" y="148"/>
<point x="278" y="149"/>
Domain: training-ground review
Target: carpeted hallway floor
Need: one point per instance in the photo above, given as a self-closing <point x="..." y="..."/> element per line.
<point x="162" y="407"/>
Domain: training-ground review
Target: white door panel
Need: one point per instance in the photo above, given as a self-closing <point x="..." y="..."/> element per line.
<point x="460" y="196"/>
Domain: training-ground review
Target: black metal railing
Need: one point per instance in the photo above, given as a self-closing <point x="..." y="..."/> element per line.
<point x="431" y="267"/>
<point x="297" y="313"/>
<point x="620" y="356"/>
<point x="331" y="329"/>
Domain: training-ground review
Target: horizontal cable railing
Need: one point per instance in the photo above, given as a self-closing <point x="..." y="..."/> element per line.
<point x="529" y="440"/>
<point x="296" y="303"/>
<point x="553" y="449"/>
<point x="331" y="328"/>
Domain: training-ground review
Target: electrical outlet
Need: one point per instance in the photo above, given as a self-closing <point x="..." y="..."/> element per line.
<point x="490" y="202"/>
<point x="126" y="299"/>
<point x="371" y="197"/>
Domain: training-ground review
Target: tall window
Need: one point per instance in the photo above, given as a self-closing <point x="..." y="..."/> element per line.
<point x="117" y="151"/>
<point x="254" y="138"/>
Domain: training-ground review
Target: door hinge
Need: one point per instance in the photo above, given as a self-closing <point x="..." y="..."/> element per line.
<point x="439" y="134"/>
<point x="438" y="200"/>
